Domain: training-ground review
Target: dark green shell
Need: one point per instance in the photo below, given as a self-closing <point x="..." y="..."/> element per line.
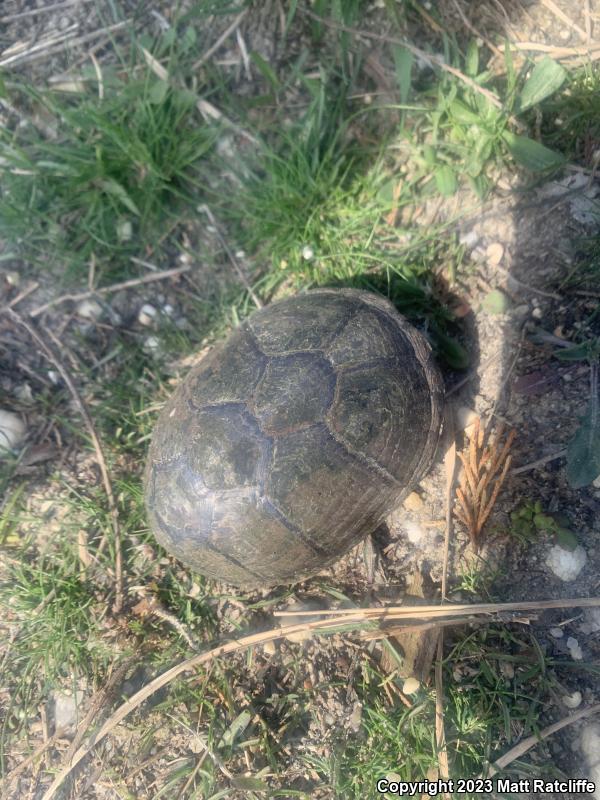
<point x="294" y="438"/>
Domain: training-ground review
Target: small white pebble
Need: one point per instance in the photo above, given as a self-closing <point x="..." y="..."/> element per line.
<point x="308" y="253"/>
<point x="494" y="254"/>
<point x="12" y="431"/>
<point x="507" y="669"/>
<point x="411" y="686"/>
<point x="574" y="649"/>
<point x="413" y="502"/>
<point x="240" y="254"/>
<point x="147" y="315"/>
<point x="168" y="310"/>
<point x="152" y="343"/>
<point x="89" y="309"/>
<point x="556" y="633"/>
<point x="124" y="231"/>
<point x="566" y="564"/>
<point x="414" y="532"/>
<point x="465" y="417"/>
<point x="13" y="278"/>
<point x="269" y="648"/>
<point x="537" y="313"/>
<point x="53" y="376"/>
<point x="596" y="482"/>
<point x="469" y="239"/>
<point x="185" y="258"/>
<point x="572" y="700"/>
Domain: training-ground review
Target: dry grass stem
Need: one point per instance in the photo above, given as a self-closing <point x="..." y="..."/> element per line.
<point x="222" y="38"/>
<point x="523" y="747"/>
<point x="539" y="462"/>
<point x="383" y="613"/>
<point x="56" y="361"/>
<point x="115" y="287"/>
<point x="231" y="256"/>
<point x="337" y="618"/>
<point x="560" y="14"/>
<point x="485" y="462"/>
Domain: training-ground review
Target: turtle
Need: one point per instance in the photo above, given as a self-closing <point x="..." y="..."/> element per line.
<point x="293" y="438"/>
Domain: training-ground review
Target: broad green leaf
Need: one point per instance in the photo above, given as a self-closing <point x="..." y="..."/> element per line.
<point x="239" y="724"/>
<point x="266" y="70"/>
<point x="403" y="60"/>
<point x="583" y="453"/>
<point x="565" y="538"/>
<point x="546" y="78"/>
<point x="496" y="302"/>
<point x="429" y="155"/>
<point x="446" y="181"/>
<point x="453" y="353"/>
<point x="472" y="59"/>
<point x="290" y="15"/>
<point x="189" y="38"/>
<point x="462" y="113"/>
<point x="158" y="92"/>
<point x="111" y="186"/>
<point x="580" y="352"/>
<point x="248" y="784"/>
<point x="532" y="155"/>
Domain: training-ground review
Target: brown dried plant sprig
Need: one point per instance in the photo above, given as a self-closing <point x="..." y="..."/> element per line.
<point x="486" y="462"/>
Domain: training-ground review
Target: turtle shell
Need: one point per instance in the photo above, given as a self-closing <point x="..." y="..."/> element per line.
<point x="294" y="438"/>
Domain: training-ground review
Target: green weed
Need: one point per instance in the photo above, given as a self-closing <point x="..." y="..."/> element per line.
<point x="102" y="175"/>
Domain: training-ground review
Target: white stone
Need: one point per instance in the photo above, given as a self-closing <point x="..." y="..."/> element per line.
<point x="152" y="343"/>
<point x="147" y="314"/>
<point x="566" y="564"/>
<point x="469" y="239"/>
<point x="572" y="700"/>
<point x="507" y="669"/>
<point x="494" y="254"/>
<point x="124" y="231"/>
<point x="89" y="309"/>
<point x="12" y="431"/>
<point x="413" y="502"/>
<point x="574" y="648"/>
<point x="557" y="633"/>
<point x="465" y="419"/>
<point x="414" y="532"/>
<point x="308" y="253"/>
<point x="537" y="313"/>
<point x="411" y="686"/>
<point x="65" y="709"/>
<point x="589" y="745"/>
<point x="596" y="482"/>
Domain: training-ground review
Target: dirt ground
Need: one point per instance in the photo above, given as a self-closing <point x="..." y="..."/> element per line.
<point x="523" y="243"/>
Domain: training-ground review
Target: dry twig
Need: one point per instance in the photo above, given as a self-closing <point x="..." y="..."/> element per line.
<point x="231" y="256"/>
<point x="115" y="287"/>
<point x="485" y="466"/>
<point x="560" y="14"/>
<point x="340" y="617"/>
<point x="222" y="38"/>
<point x="524" y="746"/>
<point x="54" y="359"/>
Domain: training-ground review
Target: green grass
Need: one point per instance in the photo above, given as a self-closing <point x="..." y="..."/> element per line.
<point x="114" y="172"/>
<point x="324" y="199"/>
